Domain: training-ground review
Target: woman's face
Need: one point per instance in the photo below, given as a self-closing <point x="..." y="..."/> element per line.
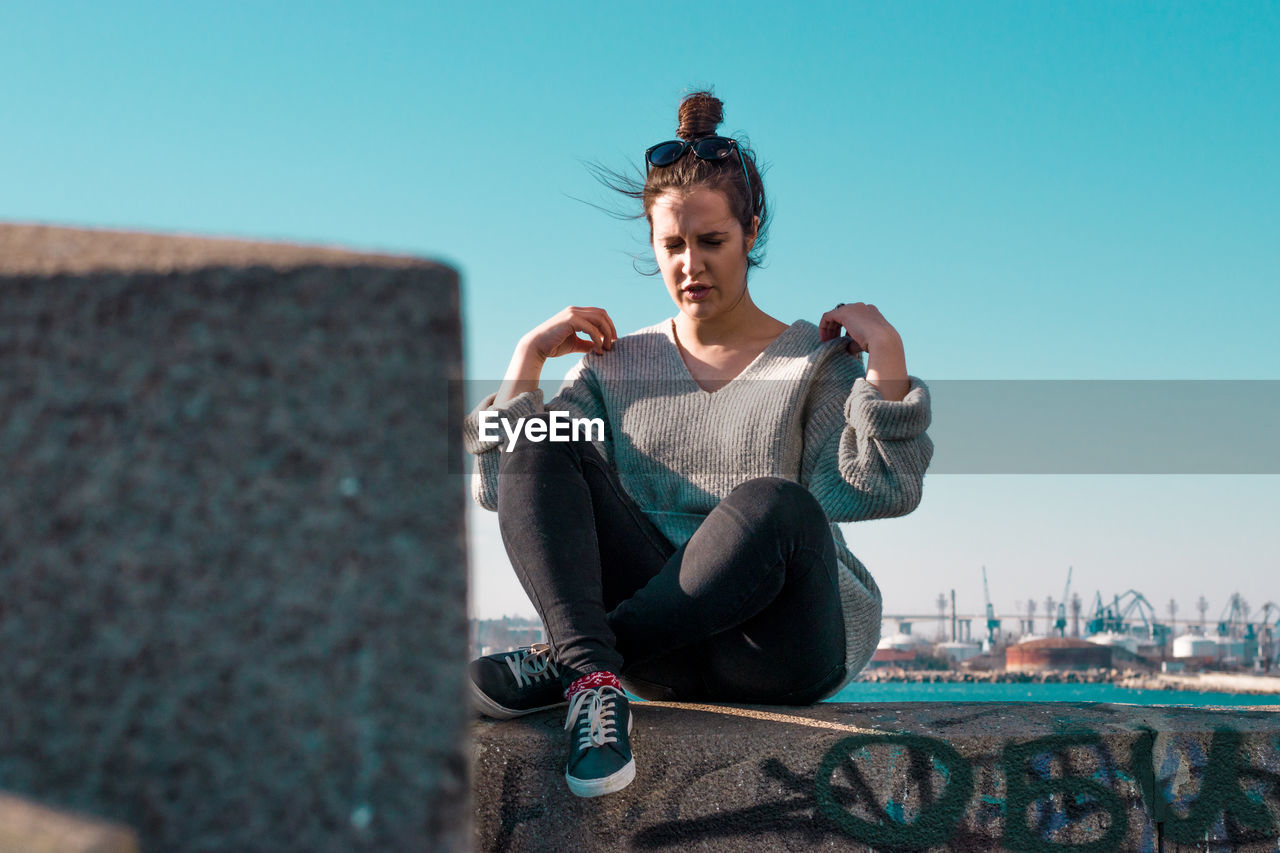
<point x="702" y="251"/>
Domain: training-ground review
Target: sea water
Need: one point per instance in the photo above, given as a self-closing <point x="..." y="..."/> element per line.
<point x="998" y="692"/>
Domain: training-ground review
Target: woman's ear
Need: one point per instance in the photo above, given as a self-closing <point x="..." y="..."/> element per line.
<point x="755" y="229"/>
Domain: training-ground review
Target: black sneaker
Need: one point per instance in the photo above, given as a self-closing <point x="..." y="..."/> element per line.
<point x="515" y="683"/>
<point x="600" y="759"/>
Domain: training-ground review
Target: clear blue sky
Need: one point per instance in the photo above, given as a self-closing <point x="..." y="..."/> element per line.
<point x="1026" y="190"/>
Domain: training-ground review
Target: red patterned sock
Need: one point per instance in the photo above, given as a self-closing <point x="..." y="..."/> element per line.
<point x="592" y="680"/>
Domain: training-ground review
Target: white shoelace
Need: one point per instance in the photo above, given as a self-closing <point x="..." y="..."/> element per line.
<point x="532" y="664"/>
<point x="601" y="727"/>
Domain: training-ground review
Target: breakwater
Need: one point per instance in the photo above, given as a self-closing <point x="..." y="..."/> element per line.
<point x="1221" y="682"/>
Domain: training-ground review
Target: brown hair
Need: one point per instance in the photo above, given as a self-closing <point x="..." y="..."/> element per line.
<point x="699" y="115"/>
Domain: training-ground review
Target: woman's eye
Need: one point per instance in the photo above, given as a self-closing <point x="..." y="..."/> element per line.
<point x="712" y="242"/>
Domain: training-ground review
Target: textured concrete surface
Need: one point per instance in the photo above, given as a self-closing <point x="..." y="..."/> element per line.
<point x="27" y="827"/>
<point x="45" y="250"/>
<point x="231" y="554"/>
<point x="919" y="776"/>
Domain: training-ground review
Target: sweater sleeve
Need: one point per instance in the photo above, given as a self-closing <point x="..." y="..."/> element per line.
<point x="864" y="456"/>
<point x="579" y="395"/>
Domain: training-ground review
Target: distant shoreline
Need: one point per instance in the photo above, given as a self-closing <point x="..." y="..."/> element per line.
<point x="1205" y="682"/>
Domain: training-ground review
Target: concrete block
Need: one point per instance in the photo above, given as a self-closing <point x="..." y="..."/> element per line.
<point x="232" y="571"/>
<point x="909" y="776"/>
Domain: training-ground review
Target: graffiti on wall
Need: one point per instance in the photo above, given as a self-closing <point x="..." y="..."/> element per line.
<point x="1064" y="792"/>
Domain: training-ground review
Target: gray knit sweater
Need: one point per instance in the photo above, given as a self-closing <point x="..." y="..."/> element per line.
<point x="801" y="410"/>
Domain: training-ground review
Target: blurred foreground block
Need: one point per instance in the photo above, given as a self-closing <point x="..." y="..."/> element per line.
<point x="27" y="827"/>
<point x="232" y="577"/>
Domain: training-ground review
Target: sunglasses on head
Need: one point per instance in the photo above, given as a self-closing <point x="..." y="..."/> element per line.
<point x="706" y="148"/>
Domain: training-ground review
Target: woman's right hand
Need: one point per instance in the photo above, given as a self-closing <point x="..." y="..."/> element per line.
<point x="559" y="335"/>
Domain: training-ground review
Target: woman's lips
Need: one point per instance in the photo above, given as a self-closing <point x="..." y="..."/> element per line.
<point x="697" y="292"/>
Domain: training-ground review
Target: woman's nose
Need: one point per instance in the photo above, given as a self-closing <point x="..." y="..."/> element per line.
<point x="692" y="261"/>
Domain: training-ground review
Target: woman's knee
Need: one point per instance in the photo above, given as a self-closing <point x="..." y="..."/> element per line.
<point x="780" y="498"/>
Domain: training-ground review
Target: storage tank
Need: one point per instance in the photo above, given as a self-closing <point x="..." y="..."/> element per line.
<point x="1110" y="638"/>
<point x="959" y="651"/>
<point x="1193" y="646"/>
<point x="1056" y="653"/>
<point x="898" y="642"/>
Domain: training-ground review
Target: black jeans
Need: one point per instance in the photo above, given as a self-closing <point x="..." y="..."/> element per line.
<point x="748" y="610"/>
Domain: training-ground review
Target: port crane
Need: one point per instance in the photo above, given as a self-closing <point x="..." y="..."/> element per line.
<point x="1234" y="621"/>
<point x="1270" y="614"/>
<point x="1268" y="634"/>
<point x="1234" y="624"/>
<point x="1061" y="625"/>
<point x="1123" y="615"/>
<point x="993" y="624"/>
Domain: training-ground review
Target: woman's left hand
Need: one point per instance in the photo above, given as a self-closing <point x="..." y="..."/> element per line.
<point x="872" y="334"/>
<point x="863" y="323"/>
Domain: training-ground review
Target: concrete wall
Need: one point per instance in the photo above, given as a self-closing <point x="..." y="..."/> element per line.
<point x="919" y="776"/>
<point x="232" y="570"/>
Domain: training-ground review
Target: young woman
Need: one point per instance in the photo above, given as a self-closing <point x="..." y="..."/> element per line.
<point x="691" y="553"/>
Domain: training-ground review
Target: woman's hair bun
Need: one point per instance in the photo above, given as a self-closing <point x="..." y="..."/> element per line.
<point x="700" y="115"/>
